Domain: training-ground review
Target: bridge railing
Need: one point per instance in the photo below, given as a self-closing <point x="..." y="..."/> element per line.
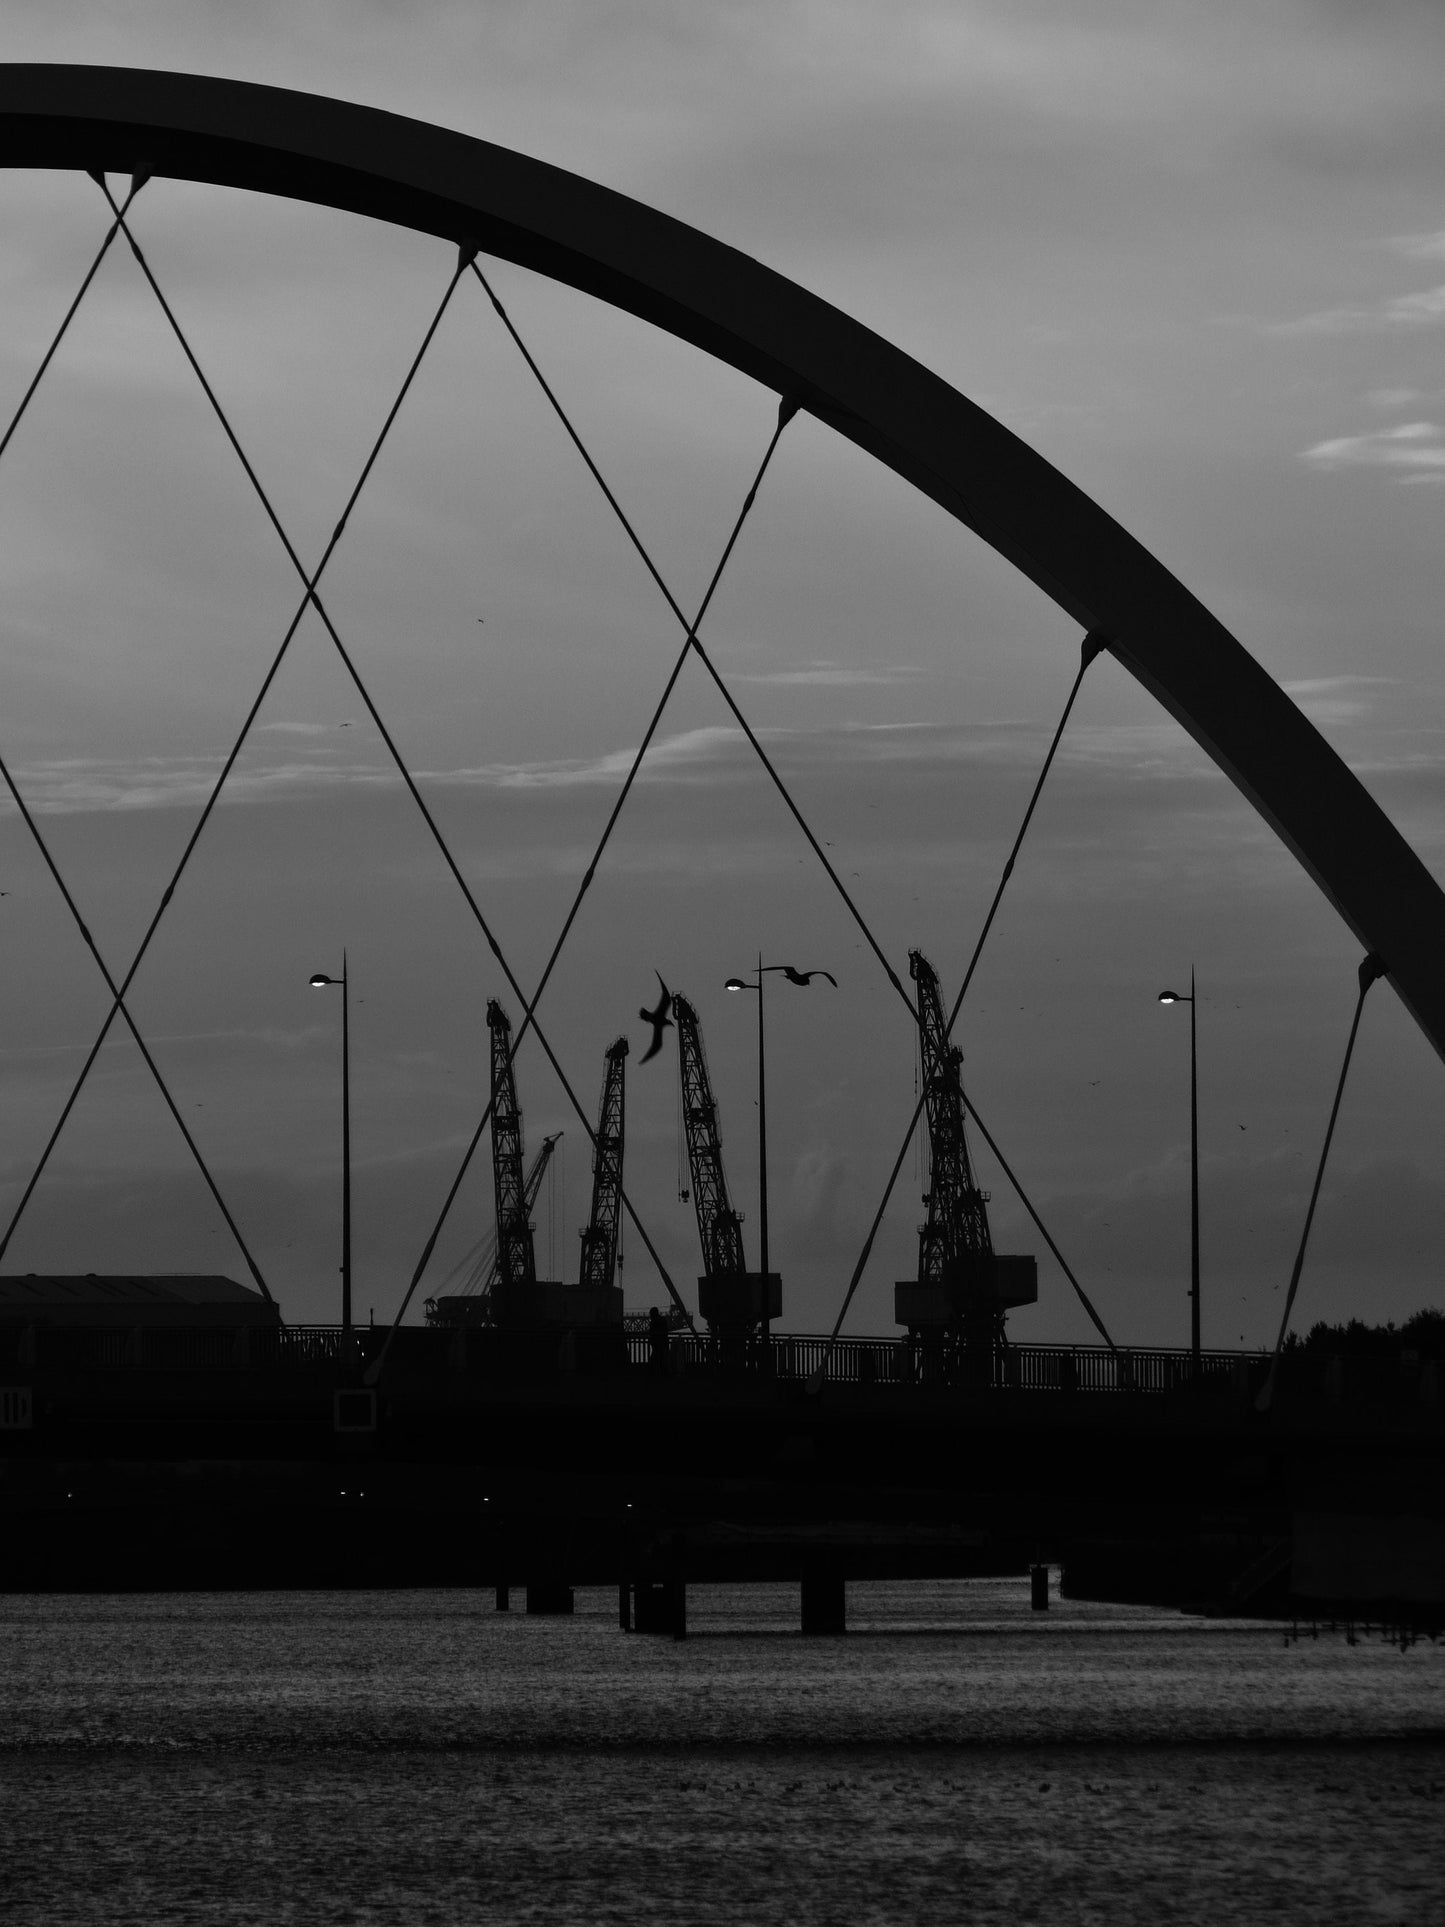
<point x="795" y="1357"/>
<point x="899" y="1361"/>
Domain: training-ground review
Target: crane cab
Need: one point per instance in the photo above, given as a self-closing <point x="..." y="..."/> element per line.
<point x="735" y="1301"/>
<point x="988" y="1283"/>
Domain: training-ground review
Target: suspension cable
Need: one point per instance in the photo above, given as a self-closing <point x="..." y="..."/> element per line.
<point x="308" y="599"/>
<point x="310" y="581"/>
<point x="789" y="408"/>
<point x="154" y="1068"/>
<point x="784" y="415"/>
<point x="1370" y="968"/>
<point x="136" y="184"/>
<point x="1093" y="643"/>
<point x="464" y="259"/>
<point x="312" y="599"/>
<point x="1027" y="1203"/>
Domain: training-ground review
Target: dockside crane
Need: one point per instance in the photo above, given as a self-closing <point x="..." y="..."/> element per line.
<point x="730" y="1297"/>
<point x="519" y="1297"/>
<point x="470" y="1303"/>
<point x="599" y="1240"/>
<point x="963" y="1287"/>
<point x="516" y="1256"/>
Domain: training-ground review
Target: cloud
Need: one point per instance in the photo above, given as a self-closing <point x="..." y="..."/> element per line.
<point x="1395" y="397"/>
<point x="1421" y="308"/>
<point x="832" y="675"/>
<point x="1413" y="310"/>
<point x="1415" y="450"/>
<point x="75" y="784"/>
<point x="689" y="748"/>
<point x="71" y="785"/>
<point x="1422" y="247"/>
<point x="1329" y="700"/>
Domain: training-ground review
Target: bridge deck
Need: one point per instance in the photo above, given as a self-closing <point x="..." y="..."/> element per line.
<point x="166" y="1459"/>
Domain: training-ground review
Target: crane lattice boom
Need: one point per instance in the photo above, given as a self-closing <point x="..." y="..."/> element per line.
<point x="963" y="1287"/>
<point x="718" y="1225"/>
<point x="516" y="1258"/>
<point x="477" y="1271"/>
<point x="599" y="1240"/>
<point x="956" y="1232"/>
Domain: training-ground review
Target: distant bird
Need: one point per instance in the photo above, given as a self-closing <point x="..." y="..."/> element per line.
<point x="805" y="977"/>
<point x="659" y="1020"/>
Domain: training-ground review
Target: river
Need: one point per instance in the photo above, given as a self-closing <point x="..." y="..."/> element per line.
<point x="417" y="1757"/>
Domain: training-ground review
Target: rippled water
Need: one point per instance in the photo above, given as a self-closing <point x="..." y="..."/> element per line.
<point x="417" y="1757"/>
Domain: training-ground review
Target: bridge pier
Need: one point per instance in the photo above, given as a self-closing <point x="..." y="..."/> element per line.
<point x="548" y="1598"/>
<point x="661" y="1607"/>
<point x="1039" y="1588"/>
<point x="825" y="1604"/>
<point x="504" y="1599"/>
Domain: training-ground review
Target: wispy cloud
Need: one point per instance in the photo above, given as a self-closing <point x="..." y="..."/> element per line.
<point x="1331" y="700"/>
<point x="1398" y="397"/>
<point x="73" y="785"/>
<point x="1422" y="247"/>
<point x="1414" y="451"/>
<point x="1420" y="308"/>
<point x="76" y="784"/>
<point x="823" y="674"/>
<point x="671" y="754"/>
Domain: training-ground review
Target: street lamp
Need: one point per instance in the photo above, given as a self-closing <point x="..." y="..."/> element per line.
<point x="794" y="976"/>
<point x="320" y="981"/>
<point x="1178" y="997"/>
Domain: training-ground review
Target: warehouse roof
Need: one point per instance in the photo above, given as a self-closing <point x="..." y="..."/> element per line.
<point x="133" y="1298"/>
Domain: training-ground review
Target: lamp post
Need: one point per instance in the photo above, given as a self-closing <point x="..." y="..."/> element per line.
<point x="803" y="977"/>
<point x="320" y="981"/>
<point x="1178" y="997"/>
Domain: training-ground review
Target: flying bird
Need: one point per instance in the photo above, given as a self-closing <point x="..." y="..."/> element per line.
<point x="805" y="977"/>
<point x="659" y="1020"/>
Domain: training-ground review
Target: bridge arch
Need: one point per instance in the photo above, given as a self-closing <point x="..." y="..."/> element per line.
<point x="306" y="147"/>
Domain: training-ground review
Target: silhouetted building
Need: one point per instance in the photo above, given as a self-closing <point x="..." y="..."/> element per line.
<point x="130" y="1299"/>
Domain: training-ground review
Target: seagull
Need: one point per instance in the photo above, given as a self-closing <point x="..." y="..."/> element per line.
<point x="805" y="977"/>
<point x="659" y="1020"/>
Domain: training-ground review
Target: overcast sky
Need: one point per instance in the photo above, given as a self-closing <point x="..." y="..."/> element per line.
<point x="1195" y="255"/>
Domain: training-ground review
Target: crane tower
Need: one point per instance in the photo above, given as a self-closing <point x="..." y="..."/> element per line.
<point x="516" y="1257"/>
<point x="730" y="1297"/>
<point x="963" y="1287"/>
<point x="471" y="1303"/>
<point x="519" y="1297"/>
<point x="599" y="1240"/>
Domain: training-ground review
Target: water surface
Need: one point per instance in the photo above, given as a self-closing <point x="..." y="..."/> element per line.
<point x="409" y="1757"/>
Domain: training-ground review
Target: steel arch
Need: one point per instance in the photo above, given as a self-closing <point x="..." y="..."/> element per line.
<point x="306" y="147"/>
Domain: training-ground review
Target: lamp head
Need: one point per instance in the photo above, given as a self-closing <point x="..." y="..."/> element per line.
<point x="737" y="983"/>
<point x="321" y="980"/>
<point x="1171" y="997"/>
